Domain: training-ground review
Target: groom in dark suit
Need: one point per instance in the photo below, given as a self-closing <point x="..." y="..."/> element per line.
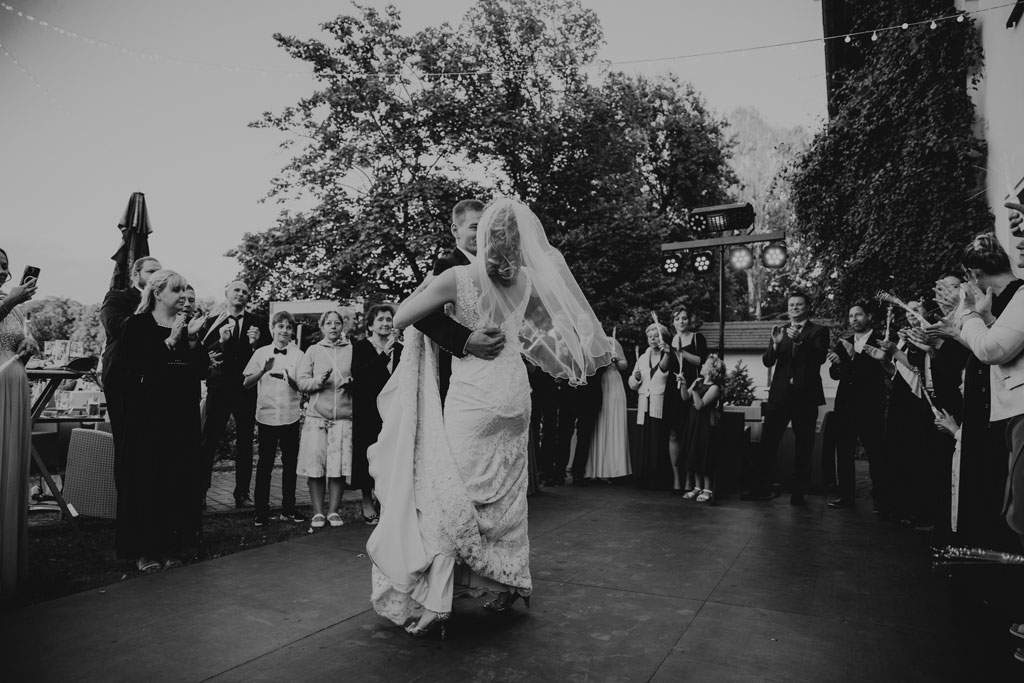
<point x="452" y="337"/>
<point x="234" y="335"/>
<point x="797" y="351"/>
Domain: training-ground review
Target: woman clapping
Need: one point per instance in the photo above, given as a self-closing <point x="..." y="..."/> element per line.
<point x="160" y="474"/>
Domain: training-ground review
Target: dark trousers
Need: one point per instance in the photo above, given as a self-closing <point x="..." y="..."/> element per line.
<point x="240" y="403"/>
<point x="544" y="426"/>
<point x="269" y="438"/>
<point x="115" y="398"/>
<point x="577" y="414"/>
<point x="868" y="427"/>
<point x="777" y="416"/>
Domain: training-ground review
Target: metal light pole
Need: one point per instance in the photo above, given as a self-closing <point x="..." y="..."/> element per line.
<point x="727" y="217"/>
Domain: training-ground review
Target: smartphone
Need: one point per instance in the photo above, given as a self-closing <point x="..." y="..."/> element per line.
<point x="30" y="271"/>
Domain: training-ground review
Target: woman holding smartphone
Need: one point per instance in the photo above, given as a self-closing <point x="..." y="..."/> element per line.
<point x="15" y="430"/>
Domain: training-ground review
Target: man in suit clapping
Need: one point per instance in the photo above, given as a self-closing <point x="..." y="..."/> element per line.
<point x="797" y="351"/>
<point x="231" y="339"/>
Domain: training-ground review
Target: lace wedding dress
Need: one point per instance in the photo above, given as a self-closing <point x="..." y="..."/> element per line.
<point x="452" y="487"/>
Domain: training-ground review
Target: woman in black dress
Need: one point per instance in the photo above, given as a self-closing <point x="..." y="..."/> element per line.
<point x="373" y="362"/>
<point x="689" y="351"/>
<point x="161" y="473"/>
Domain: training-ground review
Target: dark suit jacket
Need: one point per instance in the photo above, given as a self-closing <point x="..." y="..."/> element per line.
<point x="235" y="353"/>
<point x="118" y="306"/>
<point x="449" y="334"/>
<point x="863" y="381"/>
<point x="947" y="365"/>
<point x="797" y="376"/>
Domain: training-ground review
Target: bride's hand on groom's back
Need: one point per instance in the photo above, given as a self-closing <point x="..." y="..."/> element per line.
<point x="486" y="343"/>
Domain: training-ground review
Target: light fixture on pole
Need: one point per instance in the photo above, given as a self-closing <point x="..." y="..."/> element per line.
<point x="774" y="255"/>
<point x="702" y="261"/>
<point x="672" y="264"/>
<point x="740" y="257"/>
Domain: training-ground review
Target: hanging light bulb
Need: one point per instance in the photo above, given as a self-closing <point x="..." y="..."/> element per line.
<point x="960" y="19"/>
<point x="874" y="36"/>
<point x="933" y="25"/>
<point x="846" y="39"/>
<point x="904" y="26"/>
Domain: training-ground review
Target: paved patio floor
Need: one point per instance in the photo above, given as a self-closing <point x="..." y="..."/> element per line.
<point x="629" y="586"/>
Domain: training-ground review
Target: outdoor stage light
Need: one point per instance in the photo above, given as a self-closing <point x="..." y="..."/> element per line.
<point x="702" y="261"/>
<point x="774" y="255"/>
<point x="723" y="217"/>
<point x="740" y="257"/>
<point x="672" y="264"/>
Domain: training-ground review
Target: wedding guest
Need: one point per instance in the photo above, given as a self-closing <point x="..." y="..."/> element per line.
<point x="609" y="449"/>
<point x="118" y="306"/>
<point x="796" y="350"/>
<point x="273" y="370"/>
<point x="15" y="431"/>
<point x="702" y="436"/>
<point x="997" y="340"/>
<point x="689" y="351"/>
<point x="374" y="360"/>
<point x="325" y="445"/>
<point x="856" y="362"/>
<point x="159" y="521"/>
<point x="232" y="336"/>
<point x="653" y="468"/>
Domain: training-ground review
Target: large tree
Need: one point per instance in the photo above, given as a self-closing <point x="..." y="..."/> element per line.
<point x="888" y="192"/>
<point x="404" y="126"/>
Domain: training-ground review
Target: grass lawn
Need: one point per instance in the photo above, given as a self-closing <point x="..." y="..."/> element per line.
<point x="61" y="563"/>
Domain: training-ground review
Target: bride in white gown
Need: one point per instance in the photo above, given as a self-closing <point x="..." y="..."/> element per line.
<point x="453" y="486"/>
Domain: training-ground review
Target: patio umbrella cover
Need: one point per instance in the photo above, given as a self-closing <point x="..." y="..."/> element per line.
<point x="135" y="230"/>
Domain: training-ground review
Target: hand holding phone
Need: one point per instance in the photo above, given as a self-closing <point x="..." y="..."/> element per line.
<point x="30" y="272"/>
<point x="26" y="290"/>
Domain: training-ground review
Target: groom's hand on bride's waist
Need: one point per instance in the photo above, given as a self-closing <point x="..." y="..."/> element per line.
<point x="486" y="343"/>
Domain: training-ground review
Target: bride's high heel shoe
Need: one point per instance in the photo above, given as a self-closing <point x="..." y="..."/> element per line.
<point x="439" y="622"/>
<point x="505" y="600"/>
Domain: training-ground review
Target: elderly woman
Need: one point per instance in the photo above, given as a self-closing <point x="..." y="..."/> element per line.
<point x="374" y="360"/>
<point x="325" y="446"/>
<point x="159" y="521"/>
<point x="15" y="430"/>
<point x="653" y="468"/>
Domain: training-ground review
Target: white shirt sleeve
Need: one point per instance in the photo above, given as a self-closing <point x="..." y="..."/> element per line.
<point x="1002" y="342"/>
<point x="256" y="361"/>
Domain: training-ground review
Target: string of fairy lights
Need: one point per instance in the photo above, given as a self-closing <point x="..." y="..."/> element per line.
<point x="874" y="34"/>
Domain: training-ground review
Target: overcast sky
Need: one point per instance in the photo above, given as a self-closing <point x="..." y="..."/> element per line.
<point x="88" y="125"/>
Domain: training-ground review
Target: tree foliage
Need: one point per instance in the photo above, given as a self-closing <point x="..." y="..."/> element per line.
<point x="888" y="191"/>
<point x="609" y="163"/>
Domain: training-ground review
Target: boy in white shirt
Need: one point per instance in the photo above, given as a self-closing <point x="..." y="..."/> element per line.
<point x="273" y="369"/>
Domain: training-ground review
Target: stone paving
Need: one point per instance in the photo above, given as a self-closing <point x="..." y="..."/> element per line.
<point x="628" y="586"/>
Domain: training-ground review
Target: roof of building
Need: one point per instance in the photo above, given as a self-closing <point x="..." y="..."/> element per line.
<point x="748" y="335"/>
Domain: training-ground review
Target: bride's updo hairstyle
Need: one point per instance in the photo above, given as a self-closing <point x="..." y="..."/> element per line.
<point x="504" y="255"/>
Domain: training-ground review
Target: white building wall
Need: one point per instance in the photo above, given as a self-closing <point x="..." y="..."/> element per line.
<point x="1000" y="104"/>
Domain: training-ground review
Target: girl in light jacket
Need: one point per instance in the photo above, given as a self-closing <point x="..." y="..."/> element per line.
<point x="325" y="448"/>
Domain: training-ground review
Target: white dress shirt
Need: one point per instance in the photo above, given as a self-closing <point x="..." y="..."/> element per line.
<point x="277" y="403"/>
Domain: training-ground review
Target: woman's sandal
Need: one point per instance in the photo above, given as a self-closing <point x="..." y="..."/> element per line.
<point x="372" y="520"/>
<point x="691" y="494"/>
<point x="334" y="519"/>
<point x="440" y="621"/>
<point x="706" y="496"/>
<point x="1017" y="630"/>
<point x="318" y="521"/>
<point x="147" y="564"/>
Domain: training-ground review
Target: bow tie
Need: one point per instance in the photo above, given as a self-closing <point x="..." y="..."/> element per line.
<point x="283" y="352"/>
